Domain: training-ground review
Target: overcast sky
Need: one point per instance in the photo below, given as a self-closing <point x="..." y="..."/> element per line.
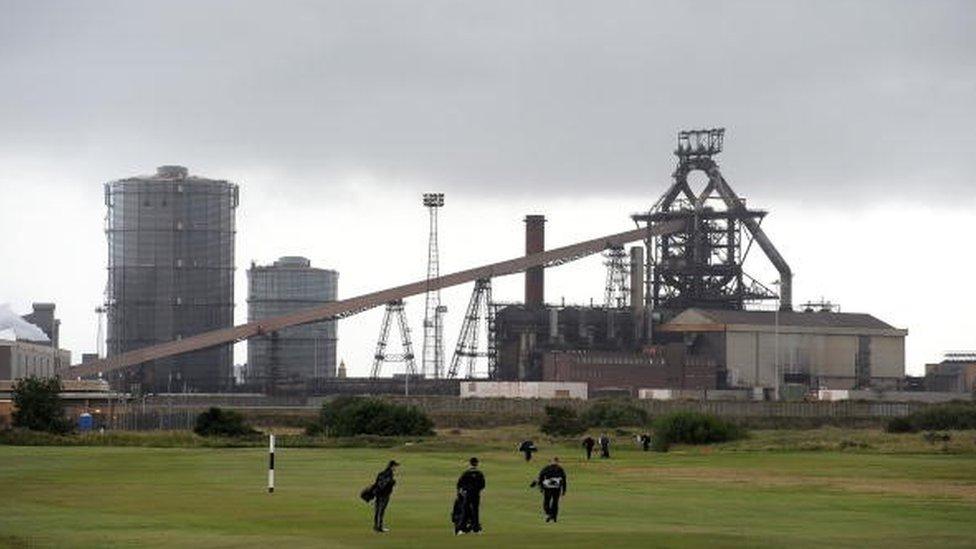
<point x="854" y="123"/>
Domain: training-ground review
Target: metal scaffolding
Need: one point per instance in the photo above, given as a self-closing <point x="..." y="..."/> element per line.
<point x="467" y="350"/>
<point x="394" y="309"/>
<point x="617" y="292"/>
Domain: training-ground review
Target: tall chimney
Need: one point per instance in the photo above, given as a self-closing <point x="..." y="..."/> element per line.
<point x="535" y="242"/>
<point x="637" y="290"/>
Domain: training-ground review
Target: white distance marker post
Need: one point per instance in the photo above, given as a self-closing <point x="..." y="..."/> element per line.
<point x="271" y="464"/>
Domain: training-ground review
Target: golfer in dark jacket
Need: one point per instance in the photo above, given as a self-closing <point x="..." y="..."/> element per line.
<point x="645" y="441"/>
<point x="552" y="482"/>
<point x="588" y="444"/>
<point x="382" y="489"/>
<point x="604" y="446"/>
<point x="527" y="447"/>
<point x="468" y="503"/>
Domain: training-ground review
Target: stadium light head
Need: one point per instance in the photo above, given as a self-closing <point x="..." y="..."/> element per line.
<point x="433" y="200"/>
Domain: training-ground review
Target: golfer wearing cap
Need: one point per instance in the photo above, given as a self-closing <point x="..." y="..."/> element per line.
<point x="468" y="502"/>
<point x="382" y="489"/>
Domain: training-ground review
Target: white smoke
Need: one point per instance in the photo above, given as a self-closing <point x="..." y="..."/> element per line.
<point x="22" y="329"/>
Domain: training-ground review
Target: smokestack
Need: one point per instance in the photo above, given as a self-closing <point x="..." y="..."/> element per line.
<point x="637" y="289"/>
<point x="535" y="242"/>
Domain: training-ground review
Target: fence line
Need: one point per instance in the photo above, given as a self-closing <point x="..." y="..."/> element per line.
<point x="453" y="411"/>
<point x="536" y="407"/>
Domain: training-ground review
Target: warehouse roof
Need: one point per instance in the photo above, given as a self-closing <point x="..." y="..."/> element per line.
<point x="814" y="319"/>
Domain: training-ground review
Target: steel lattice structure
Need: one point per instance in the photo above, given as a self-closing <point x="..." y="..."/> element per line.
<point x="617" y="292"/>
<point x="394" y="310"/>
<point x="467" y="350"/>
<point x="701" y="266"/>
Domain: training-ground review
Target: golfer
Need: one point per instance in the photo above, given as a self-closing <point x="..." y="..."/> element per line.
<point x="645" y="441"/>
<point x="382" y="489"/>
<point x="527" y="447"/>
<point x="467" y="505"/>
<point x="552" y="482"/>
<point x="588" y="444"/>
<point x="604" y="446"/>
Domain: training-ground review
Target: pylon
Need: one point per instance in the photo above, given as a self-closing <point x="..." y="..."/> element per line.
<point x="394" y="309"/>
<point x="467" y="345"/>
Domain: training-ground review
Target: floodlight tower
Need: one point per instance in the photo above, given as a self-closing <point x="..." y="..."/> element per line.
<point x="433" y="351"/>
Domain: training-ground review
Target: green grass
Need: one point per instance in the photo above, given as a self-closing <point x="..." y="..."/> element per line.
<point x="740" y="494"/>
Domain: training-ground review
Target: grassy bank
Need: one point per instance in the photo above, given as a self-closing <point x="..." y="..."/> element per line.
<point x="824" y="439"/>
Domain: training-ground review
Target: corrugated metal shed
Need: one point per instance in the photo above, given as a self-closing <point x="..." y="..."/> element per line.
<point x="815" y="319"/>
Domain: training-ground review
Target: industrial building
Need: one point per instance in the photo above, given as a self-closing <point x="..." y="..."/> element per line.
<point x="692" y="317"/>
<point x="29" y="344"/>
<point x="43" y="317"/>
<point x="816" y="348"/>
<point x="956" y="373"/>
<point x="681" y="309"/>
<point x="299" y="353"/>
<point x="20" y="359"/>
<point x="170" y="275"/>
<point x="523" y="389"/>
<point x="521" y="333"/>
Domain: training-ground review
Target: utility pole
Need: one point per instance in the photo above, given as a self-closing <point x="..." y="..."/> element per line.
<point x="433" y="350"/>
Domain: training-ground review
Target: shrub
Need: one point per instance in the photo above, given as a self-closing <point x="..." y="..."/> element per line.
<point x="944" y="417"/>
<point x="218" y="422"/>
<point x="848" y="443"/>
<point x="351" y="416"/>
<point x="692" y="428"/>
<point x="38" y="406"/>
<point x="899" y="425"/>
<point x="954" y="415"/>
<point x="562" y="422"/>
<point x="614" y="413"/>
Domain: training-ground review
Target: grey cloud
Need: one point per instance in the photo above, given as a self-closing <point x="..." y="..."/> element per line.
<point x="830" y="100"/>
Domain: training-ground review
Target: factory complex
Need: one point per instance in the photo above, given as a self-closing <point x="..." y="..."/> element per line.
<point x="680" y="315"/>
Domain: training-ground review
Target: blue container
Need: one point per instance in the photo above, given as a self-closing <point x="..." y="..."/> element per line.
<point x="85" y="422"/>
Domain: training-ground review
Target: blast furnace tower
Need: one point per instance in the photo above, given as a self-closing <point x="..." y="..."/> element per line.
<point x="702" y="266"/>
